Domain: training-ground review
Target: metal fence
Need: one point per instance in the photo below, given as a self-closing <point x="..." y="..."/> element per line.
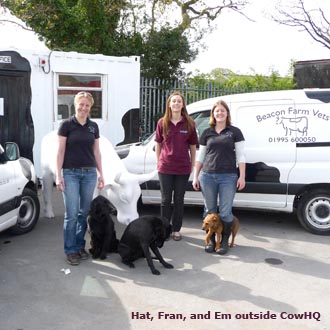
<point x="154" y="93"/>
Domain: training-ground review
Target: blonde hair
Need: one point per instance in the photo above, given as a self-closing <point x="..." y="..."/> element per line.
<point x="212" y="121"/>
<point x="87" y="95"/>
<point x="184" y="113"/>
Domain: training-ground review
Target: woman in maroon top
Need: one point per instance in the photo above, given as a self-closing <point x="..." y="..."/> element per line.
<point x="176" y="141"/>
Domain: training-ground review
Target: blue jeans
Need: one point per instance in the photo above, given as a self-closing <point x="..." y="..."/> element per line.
<point x="222" y="186"/>
<point x="173" y="185"/>
<point x="79" y="184"/>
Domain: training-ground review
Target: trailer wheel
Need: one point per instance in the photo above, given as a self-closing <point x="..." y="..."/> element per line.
<point x="314" y="211"/>
<point x="28" y="213"/>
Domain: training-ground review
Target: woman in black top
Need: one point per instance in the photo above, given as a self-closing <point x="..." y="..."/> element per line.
<point x="78" y="161"/>
<point x="221" y="148"/>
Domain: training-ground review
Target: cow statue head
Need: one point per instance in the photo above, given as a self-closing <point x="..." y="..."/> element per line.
<point x="124" y="193"/>
<point x="120" y="187"/>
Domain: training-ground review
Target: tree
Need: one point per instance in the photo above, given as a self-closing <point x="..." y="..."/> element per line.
<point x="165" y="33"/>
<point x="162" y="47"/>
<point x="313" y="21"/>
<point x="70" y="25"/>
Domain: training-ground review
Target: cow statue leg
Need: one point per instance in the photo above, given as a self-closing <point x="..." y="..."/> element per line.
<point x="47" y="189"/>
<point x="49" y="145"/>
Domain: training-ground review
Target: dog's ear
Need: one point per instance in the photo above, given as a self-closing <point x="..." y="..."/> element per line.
<point x="167" y="227"/>
<point x="109" y="206"/>
<point x="159" y="232"/>
<point x="209" y="220"/>
<point x="112" y="209"/>
<point x="214" y="222"/>
<point x="158" y="228"/>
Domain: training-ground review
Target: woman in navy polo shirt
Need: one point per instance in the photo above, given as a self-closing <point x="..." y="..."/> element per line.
<point x="78" y="161"/>
<point x="176" y="141"/>
<point x="221" y="148"/>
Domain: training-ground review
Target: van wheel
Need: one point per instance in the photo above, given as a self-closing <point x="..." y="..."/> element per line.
<point x="314" y="211"/>
<point x="28" y="213"/>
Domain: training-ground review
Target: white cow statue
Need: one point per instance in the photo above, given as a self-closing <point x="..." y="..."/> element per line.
<point x="120" y="187"/>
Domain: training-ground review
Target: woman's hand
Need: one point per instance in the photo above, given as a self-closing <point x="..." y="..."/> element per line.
<point x="195" y="184"/>
<point x="60" y="183"/>
<point x="240" y="183"/>
<point x="100" y="182"/>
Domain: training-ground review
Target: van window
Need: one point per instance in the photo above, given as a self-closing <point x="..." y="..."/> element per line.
<point x="68" y="85"/>
<point x="201" y="120"/>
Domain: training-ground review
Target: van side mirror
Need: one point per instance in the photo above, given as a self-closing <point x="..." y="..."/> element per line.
<point x="12" y="151"/>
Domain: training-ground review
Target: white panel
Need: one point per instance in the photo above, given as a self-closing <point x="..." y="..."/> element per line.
<point x="1" y="107"/>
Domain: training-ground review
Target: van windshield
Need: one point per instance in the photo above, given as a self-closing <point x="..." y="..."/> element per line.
<point x="201" y="119"/>
<point x="148" y="139"/>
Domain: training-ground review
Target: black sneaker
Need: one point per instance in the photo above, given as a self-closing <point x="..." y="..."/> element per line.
<point x="73" y="259"/>
<point x="82" y="254"/>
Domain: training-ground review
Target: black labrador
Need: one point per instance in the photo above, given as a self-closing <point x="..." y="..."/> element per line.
<point x="102" y="228"/>
<point x="141" y="234"/>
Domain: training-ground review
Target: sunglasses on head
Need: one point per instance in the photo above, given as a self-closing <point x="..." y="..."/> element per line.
<point x="85" y="94"/>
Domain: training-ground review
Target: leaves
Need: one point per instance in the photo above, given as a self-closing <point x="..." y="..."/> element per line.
<point x="165" y="33"/>
<point x="226" y="79"/>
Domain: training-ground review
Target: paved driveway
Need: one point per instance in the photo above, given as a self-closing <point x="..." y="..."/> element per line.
<point x="277" y="277"/>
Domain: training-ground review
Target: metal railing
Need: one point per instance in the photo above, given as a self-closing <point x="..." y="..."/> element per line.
<point x="154" y="93"/>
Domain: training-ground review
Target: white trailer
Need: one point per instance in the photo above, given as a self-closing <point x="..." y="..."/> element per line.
<point x="46" y="81"/>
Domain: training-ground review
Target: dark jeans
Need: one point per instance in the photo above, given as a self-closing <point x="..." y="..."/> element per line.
<point x="78" y="194"/>
<point x="173" y="185"/>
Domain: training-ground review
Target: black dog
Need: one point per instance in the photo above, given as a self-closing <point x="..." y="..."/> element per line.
<point x="102" y="228"/>
<point x="143" y="233"/>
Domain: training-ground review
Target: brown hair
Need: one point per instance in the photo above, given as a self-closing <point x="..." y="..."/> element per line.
<point x="80" y="95"/>
<point x="212" y="121"/>
<point x="184" y="113"/>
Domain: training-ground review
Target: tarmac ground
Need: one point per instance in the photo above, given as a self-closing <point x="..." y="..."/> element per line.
<point x="276" y="277"/>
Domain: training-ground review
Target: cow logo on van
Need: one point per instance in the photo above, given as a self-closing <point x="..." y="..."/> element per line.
<point x="296" y="124"/>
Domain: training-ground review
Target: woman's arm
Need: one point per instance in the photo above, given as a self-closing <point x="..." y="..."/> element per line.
<point x="198" y="166"/>
<point x="157" y="150"/>
<point x="241" y="179"/>
<point x="192" y="148"/>
<point x="59" y="162"/>
<point x="195" y="183"/>
<point x="98" y="160"/>
<point x="240" y="159"/>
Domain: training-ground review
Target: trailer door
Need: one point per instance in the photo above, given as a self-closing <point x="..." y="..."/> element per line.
<point x="16" y="124"/>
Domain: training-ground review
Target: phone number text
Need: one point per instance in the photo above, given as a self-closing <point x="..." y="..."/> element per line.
<point x="301" y="139"/>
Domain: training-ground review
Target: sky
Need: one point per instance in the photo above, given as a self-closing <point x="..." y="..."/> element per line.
<point x="237" y="44"/>
<point x="15" y="36"/>
<point x="262" y="46"/>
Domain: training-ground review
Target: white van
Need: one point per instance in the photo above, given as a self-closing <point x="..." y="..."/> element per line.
<point x="287" y="139"/>
<point x="19" y="202"/>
